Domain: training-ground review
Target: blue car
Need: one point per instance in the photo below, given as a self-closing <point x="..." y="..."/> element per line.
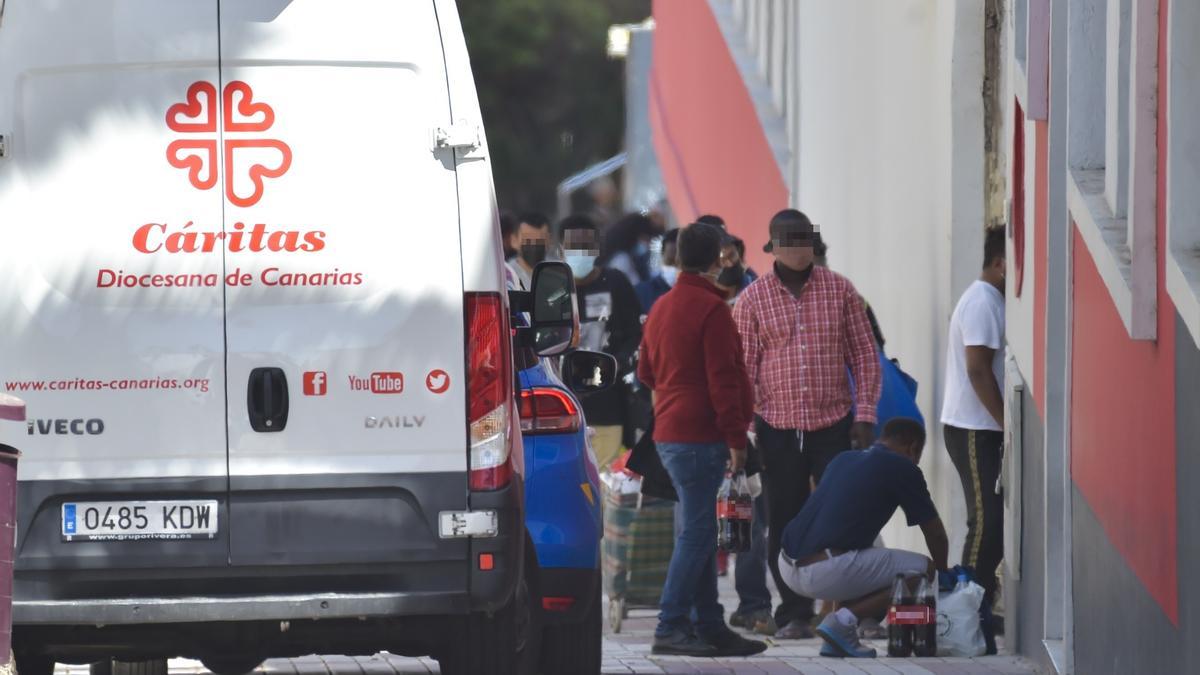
<point x="562" y="491"/>
<point x="563" y="505"/>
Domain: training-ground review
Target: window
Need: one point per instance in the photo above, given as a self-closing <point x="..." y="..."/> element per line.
<point x="1112" y="148"/>
<point x="1183" y="162"/>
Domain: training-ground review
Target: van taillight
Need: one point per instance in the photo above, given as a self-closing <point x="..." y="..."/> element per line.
<point x="489" y="391"/>
<point x="548" y="411"/>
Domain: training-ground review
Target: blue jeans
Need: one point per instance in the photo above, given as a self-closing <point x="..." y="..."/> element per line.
<point x="750" y="574"/>
<point x="696" y="470"/>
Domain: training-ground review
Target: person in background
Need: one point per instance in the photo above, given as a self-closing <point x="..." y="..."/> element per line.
<point x="610" y="322"/>
<point x="733" y="255"/>
<point x="650" y="291"/>
<point x="508" y="235"/>
<point x="691" y="359"/>
<point x="801" y="326"/>
<point x="606" y="202"/>
<point x="973" y="410"/>
<point x="829" y="548"/>
<point x="627" y="247"/>
<point x="531" y="241"/>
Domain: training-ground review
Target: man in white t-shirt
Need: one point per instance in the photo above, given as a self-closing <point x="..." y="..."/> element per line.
<point x="973" y="411"/>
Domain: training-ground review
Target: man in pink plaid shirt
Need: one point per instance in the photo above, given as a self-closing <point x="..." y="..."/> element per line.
<point x="804" y="333"/>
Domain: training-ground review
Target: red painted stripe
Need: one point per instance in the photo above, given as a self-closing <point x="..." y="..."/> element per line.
<point x="707" y="134"/>
<point x="1123" y="430"/>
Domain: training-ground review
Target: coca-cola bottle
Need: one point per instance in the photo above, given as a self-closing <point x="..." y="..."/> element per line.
<point x="924" y="641"/>
<point x="727" y="531"/>
<point x="745" y="512"/>
<point x="900" y="633"/>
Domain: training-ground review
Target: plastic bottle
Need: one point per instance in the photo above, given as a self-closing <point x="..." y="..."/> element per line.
<point x="900" y="633"/>
<point x="727" y="515"/>
<point x="745" y="513"/>
<point x="925" y="633"/>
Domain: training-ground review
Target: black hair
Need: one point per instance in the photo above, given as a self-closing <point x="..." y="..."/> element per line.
<point x="624" y="234"/>
<point x="671" y="237"/>
<point x="712" y="219"/>
<point x="534" y="218"/>
<point x="508" y="224"/>
<point x="739" y="245"/>
<point x="904" y="431"/>
<point x="577" y="222"/>
<point x="993" y="245"/>
<point x="699" y="247"/>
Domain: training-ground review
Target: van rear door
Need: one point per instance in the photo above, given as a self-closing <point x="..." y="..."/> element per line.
<point x="348" y="285"/>
<point x="113" y="328"/>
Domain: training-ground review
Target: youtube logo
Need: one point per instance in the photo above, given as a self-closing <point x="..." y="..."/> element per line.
<point x="379" y="383"/>
<point x="315" y="383"/>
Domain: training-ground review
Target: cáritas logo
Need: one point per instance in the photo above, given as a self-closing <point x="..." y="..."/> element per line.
<point x="243" y="122"/>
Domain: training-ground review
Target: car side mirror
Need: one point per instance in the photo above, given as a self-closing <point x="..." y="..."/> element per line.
<point x="586" y="372"/>
<point x="554" y="315"/>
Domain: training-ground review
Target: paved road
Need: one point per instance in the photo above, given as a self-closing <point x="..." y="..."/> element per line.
<point x="629" y="652"/>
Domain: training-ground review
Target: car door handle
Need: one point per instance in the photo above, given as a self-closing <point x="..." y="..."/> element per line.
<point x="267" y="399"/>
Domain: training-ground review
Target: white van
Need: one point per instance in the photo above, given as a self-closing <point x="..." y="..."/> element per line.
<point x="253" y="295"/>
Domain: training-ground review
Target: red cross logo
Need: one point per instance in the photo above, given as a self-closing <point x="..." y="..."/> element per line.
<point x="241" y="116"/>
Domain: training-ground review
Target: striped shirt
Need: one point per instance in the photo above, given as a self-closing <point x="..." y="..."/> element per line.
<point x="798" y="350"/>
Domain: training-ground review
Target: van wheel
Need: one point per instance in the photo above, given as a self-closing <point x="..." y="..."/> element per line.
<point x="28" y="664"/>
<point x="115" y="667"/>
<point x="575" y="648"/>
<point x="232" y="665"/>
<point x="506" y="643"/>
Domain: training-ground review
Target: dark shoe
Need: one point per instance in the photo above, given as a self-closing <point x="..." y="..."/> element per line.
<point x="763" y="623"/>
<point x="728" y="643"/>
<point x="738" y="620"/>
<point x="682" y="643"/>
<point x="795" y="629"/>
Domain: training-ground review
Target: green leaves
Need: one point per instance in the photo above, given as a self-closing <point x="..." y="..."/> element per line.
<point x="552" y="101"/>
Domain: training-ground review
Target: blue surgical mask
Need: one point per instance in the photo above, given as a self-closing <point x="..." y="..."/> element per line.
<point x="641" y="249"/>
<point x="581" y="264"/>
<point x="670" y="274"/>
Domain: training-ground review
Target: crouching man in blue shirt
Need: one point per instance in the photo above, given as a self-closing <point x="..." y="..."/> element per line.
<point x="828" y="550"/>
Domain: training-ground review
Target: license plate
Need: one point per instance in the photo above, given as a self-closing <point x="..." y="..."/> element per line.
<point x="132" y="521"/>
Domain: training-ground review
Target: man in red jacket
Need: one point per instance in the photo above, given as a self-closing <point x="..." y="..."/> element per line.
<point x="691" y="358"/>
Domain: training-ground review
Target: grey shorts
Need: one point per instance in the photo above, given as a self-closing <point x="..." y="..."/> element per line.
<point x="853" y="574"/>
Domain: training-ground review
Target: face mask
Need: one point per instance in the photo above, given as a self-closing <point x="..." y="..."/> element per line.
<point x="732" y="277"/>
<point x="581" y="264"/>
<point x="641" y="250"/>
<point x="533" y="253"/>
<point x="670" y="275"/>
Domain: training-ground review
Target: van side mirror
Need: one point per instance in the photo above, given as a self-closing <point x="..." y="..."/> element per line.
<point x="586" y="372"/>
<point x="551" y="305"/>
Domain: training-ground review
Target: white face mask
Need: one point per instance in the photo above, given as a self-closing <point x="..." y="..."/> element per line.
<point x="670" y="275"/>
<point x="581" y="264"/>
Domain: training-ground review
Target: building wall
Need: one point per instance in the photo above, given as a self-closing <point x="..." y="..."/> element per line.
<point x="1122" y="626"/>
<point x="1025" y="627"/>
<point x="712" y="148"/>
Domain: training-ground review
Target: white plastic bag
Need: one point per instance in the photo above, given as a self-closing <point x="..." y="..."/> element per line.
<point x="959" y="633"/>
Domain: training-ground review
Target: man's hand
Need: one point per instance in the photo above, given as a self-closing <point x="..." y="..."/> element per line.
<point x="737" y="459"/>
<point x="862" y="435"/>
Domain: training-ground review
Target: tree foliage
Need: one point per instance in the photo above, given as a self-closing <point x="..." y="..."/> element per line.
<point x="552" y="101"/>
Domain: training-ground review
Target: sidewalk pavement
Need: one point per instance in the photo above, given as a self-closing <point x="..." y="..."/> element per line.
<point x="629" y="652"/>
